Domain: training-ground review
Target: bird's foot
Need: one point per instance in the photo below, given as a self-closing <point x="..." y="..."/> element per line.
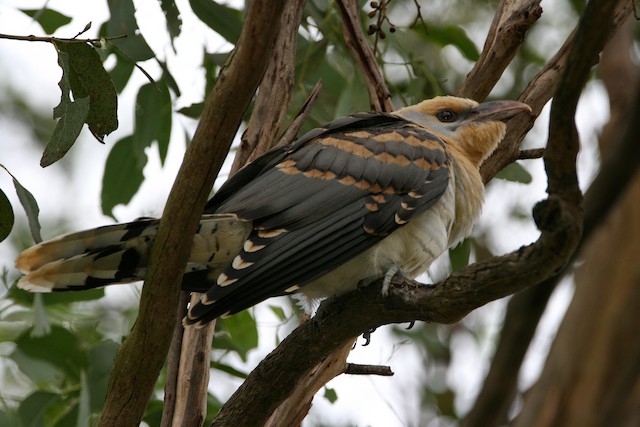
<point x="386" y="283"/>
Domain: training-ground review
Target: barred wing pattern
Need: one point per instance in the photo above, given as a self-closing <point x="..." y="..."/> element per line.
<point x="332" y="195"/>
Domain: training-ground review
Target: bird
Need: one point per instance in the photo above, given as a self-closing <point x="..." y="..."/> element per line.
<point x="363" y="197"/>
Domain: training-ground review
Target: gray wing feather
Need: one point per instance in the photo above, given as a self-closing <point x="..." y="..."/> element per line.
<point x="322" y="204"/>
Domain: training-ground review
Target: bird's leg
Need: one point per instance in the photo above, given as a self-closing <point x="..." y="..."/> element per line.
<point x="386" y="283"/>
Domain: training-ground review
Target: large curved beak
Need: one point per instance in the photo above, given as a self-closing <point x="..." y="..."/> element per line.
<point x="497" y="111"/>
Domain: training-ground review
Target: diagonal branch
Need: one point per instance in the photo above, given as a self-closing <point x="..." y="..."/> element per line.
<point x="379" y="94"/>
<point x="142" y="355"/>
<point x="506" y="34"/>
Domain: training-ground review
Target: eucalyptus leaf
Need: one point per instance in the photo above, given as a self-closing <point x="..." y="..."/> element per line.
<point x="123" y="22"/>
<point x="222" y="19"/>
<point x="72" y="115"/>
<point x="459" y="255"/>
<point x="88" y="78"/>
<point x="153" y="119"/>
<point x="33" y="410"/>
<point x="172" y="15"/>
<point x="243" y="333"/>
<point x="50" y="20"/>
<point x="515" y="172"/>
<point x="30" y="206"/>
<point x="122" y="174"/>
<point x="7" y="217"/>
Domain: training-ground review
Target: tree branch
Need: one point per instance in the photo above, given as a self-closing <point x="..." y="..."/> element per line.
<point x="95" y="42"/>
<point x="275" y="90"/>
<point x="142" y="355"/>
<point x="355" y="369"/>
<point x="536" y="95"/>
<point x="173" y="364"/>
<point x="379" y="94"/>
<point x="289" y="135"/>
<point x="511" y="22"/>
<point x="534" y="153"/>
<point x="298" y="402"/>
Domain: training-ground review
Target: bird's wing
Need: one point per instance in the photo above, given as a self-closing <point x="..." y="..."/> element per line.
<point x="322" y="201"/>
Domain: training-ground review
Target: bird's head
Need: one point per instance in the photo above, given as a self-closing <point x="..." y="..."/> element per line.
<point x="474" y="128"/>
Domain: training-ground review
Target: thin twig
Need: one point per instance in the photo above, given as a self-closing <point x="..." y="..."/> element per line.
<point x="135" y="64"/>
<point x="289" y="135"/>
<point x="356" y="369"/>
<point x="84" y="30"/>
<point x="534" y="153"/>
<point x="379" y="94"/>
<point x="32" y="38"/>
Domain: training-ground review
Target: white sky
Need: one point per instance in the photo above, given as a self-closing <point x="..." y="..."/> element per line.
<point x="70" y="189"/>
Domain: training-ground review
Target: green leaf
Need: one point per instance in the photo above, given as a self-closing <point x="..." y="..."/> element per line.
<point x="172" y="15"/>
<point x="9" y="419"/>
<point x="220" y="18"/>
<point x="121" y="73"/>
<point x="30" y="206"/>
<point x="279" y="312"/>
<point x="153" y="118"/>
<point x="122" y="174"/>
<point x="72" y="115"/>
<point x="443" y="35"/>
<point x="330" y="394"/>
<point x="40" y="372"/>
<point x="229" y="370"/>
<point x="88" y="78"/>
<point x="213" y="407"/>
<point x="123" y="21"/>
<point x="33" y="409"/>
<point x="515" y="172"/>
<point x="10" y="330"/>
<point x="350" y="98"/>
<point x="22" y="297"/>
<point x="49" y="20"/>
<point x="168" y="78"/>
<point x="6" y="216"/>
<point x="101" y="359"/>
<point x="194" y="110"/>
<point x="243" y="333"/>
<point x="61" y="349"/>
<point x="459" y="255"/>
<point x="153" y="413"/>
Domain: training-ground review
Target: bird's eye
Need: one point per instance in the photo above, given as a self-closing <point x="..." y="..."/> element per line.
<point x="446" y="116"/>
